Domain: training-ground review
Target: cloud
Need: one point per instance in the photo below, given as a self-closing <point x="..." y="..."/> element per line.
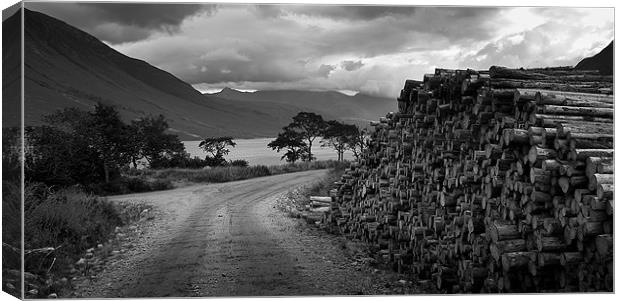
<point x="121" y="22"/>
<point x="324" y="70"/>
<point x="556" y="42"/>
<point x="351" y="65"/>
<point x="348" y="12"/>
<point x="371" y="49"/>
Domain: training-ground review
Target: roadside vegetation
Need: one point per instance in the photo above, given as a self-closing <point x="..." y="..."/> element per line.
<point x="231" y="172"/>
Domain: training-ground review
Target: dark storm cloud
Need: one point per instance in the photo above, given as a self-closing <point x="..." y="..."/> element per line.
<point x="351" y="65"/>
<point x="121" y="22"/>
<point x="325" y="69"/>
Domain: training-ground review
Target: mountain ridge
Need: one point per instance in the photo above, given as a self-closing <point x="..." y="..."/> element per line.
<point x="602" y="61"/>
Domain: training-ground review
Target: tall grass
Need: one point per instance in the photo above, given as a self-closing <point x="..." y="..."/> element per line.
<point x="68" y="217"/>
<point x="233" y="173"/>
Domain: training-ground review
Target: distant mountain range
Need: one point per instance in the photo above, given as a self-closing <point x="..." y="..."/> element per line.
<point x="602" y="61"/>
<point x="66" y="67"/>
<point x="358" y="109"/>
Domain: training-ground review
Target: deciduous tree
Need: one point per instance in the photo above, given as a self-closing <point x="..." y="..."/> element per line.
<point x="296" y="148"/>
<point x="218" y="148"/>
<point x="339" y="136"/>
<point x="308" y="126"/>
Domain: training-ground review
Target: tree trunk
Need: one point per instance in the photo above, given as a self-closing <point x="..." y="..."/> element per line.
<point x="106" y="171"/>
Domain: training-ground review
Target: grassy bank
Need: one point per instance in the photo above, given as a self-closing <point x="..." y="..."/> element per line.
<point x="229" y="173"/>
<point x="61" y="224"/>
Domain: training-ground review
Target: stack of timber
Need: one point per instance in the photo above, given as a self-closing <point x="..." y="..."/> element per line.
<point x="489" y="181"/>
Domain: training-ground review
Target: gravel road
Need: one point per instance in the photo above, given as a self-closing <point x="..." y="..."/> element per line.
<point x="230" y="240"/>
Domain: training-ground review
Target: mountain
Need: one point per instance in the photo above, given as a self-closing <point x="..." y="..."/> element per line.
<point x="358" y="109"/>
<point x="602" y="61"/>
<point x="67" y="67"/>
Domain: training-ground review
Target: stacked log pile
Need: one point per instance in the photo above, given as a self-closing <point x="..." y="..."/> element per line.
<point x="488" y="181"/>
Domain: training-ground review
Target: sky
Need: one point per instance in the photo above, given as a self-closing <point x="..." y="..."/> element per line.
<point x="348" y="48"/>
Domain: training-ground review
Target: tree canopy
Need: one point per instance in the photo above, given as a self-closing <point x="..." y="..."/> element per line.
<point x="339" y="136"/>
<point x="217" y="147"/>
<point x="86" y="147"/>
<point x="296" y="148"/>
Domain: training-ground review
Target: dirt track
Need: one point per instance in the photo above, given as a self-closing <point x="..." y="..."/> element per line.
<point x="229" y="240"/>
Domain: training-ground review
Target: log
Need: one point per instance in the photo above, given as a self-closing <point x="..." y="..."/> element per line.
<point x="550" y="244"/>
<point x="506" y="246"/>
<point x="600" y="165"/>
<point x="578" y="111"/>
<point x="598" y="178"/>
<point x="605" y="191"/>
<point x="514" y="260"/>
<point x="499" y="232"/>
<point x="583" y="154"/>
<point x="605" y="245"/>
<point x="571" y="258"/>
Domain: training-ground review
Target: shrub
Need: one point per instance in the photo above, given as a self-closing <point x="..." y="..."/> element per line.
<point x="239" y="163"/>
<point x="68" y="217"/>
<point x="11" y="221"/>
<point x="129" y="184"/>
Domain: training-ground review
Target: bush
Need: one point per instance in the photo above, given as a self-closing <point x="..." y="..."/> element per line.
<point x="239" y="163"/>
<point x="234" y="173"/>
<point x="11" y="221"/>
<point x="68" y="217"/>
<point x="129" y="184"/>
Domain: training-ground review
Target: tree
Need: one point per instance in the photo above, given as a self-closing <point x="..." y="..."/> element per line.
<point x="308" y="126"/>
<point x="109" y="136"/>
<point x="296" y="148"/>
<point x="339" y="136"/>
<point x="151" y="142"/>
<point x="99" y="134"/>
<point x="218" y="148"/>
<point x="359" y="143"/>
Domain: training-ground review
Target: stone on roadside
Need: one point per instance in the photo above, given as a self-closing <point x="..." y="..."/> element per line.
<point x="52" y="295"/>
<point x="82" y="261"/>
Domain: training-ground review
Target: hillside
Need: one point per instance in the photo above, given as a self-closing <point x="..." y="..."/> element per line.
<point x="66" y="67"/>
<point x="602" y="61"/>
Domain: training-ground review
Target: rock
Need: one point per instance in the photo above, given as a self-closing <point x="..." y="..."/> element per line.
<point x="64" y="280"/>
<point x="88" y="255"/>
<point x="82" y="261"/>
<point x="99" y="246"/>
<point x="52" y="295"/>
<point x="90" y="250"/>
<point x="144" y="214"/>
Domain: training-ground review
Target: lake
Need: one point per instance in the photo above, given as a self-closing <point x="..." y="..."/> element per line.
<point x="256" y="152"/>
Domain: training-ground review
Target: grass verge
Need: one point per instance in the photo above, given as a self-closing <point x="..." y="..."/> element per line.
<point x="60" y="225"/>
<point x="230" y="173"/>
